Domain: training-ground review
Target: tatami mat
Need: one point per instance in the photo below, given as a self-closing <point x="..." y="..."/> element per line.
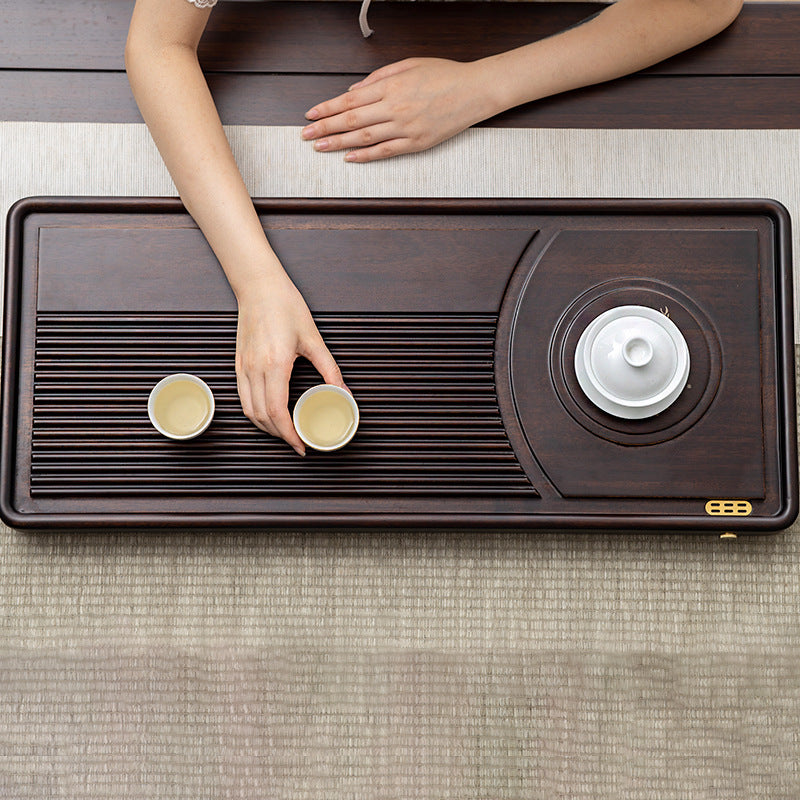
<point x="382" y="665"/>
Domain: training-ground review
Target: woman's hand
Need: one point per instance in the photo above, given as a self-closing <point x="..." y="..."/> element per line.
<point x="275" y="327"/>
<point x="402" y="108"/>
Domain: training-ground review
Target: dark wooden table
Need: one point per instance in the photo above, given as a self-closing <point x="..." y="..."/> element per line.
<point x="455" y="323"/>
<point x="267" y="63"/>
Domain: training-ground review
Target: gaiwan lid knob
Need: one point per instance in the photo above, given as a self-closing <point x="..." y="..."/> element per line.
<point x="632" y="362"/>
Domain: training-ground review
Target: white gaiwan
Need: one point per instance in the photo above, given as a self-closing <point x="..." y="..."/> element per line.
<point x="632" y="362"/>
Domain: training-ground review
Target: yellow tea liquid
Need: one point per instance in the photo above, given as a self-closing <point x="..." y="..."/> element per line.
<point x="181" y="407"/>
<point x="325" y="418"/>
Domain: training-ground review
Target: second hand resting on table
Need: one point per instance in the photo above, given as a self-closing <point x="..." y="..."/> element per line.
<point x="401" y="108"/>
<point x="414" y="104"/>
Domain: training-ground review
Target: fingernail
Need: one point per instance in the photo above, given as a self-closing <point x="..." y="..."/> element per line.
<point x="322" y="144"/>
<point x="350" y="157"/>
<point x="308" y="132"/>
<point x="312" y="113"/>
<point x="349" y="89"/>
<point x="300" y="452"/>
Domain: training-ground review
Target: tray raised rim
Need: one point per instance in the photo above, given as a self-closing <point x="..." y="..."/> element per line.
<point x="542" y="206"/>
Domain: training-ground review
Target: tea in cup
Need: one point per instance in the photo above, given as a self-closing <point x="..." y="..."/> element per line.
<point x="326" y="417"/>
<point x="181" y="406"/>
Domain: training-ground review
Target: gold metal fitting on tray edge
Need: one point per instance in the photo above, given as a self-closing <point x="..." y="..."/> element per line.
<point x="728" y="508"/>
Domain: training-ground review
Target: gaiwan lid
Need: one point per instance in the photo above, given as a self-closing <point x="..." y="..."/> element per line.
<point x="632" y="362"/>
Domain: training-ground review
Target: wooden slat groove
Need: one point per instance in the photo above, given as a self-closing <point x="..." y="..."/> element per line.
<point x="432" y="429"/>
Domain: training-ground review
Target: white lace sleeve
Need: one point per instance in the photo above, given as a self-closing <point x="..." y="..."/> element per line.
<point x="203" y="3"/>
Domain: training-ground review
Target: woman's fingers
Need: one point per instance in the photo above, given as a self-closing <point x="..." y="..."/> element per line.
<point x="251" y="395"/>
<point x="359" y="94"/>
<point x="246" y="398"/>
<point x="276" y="396"/>
<point x="265" y="395"/>
<point x="388" y="149"/>
<point x="319" y="355"/>
<point x="365" y="137"/>
<point x="349" y="101"/>
<point x="264" y="398"/>
<point x="368" y="122"/>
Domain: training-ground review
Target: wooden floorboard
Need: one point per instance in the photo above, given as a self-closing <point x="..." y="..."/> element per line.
<point x="62" y="60"/>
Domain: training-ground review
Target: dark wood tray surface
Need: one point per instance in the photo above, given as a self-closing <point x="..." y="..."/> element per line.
<point x="455" y="323"/>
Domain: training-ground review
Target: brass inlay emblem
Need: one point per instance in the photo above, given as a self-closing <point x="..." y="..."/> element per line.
<point x="728" y="508"/>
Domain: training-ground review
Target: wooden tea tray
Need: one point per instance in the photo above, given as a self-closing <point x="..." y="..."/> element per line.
<point x="455" y="323"/>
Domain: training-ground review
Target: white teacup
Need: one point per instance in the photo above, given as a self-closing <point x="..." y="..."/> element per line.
<point x="326" y="417"/>
<point x="181" y="406"/>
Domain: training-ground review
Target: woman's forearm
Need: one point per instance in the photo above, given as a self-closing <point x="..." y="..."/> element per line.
<point x="626" y="37"/>
<point x="174" y="100"/>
